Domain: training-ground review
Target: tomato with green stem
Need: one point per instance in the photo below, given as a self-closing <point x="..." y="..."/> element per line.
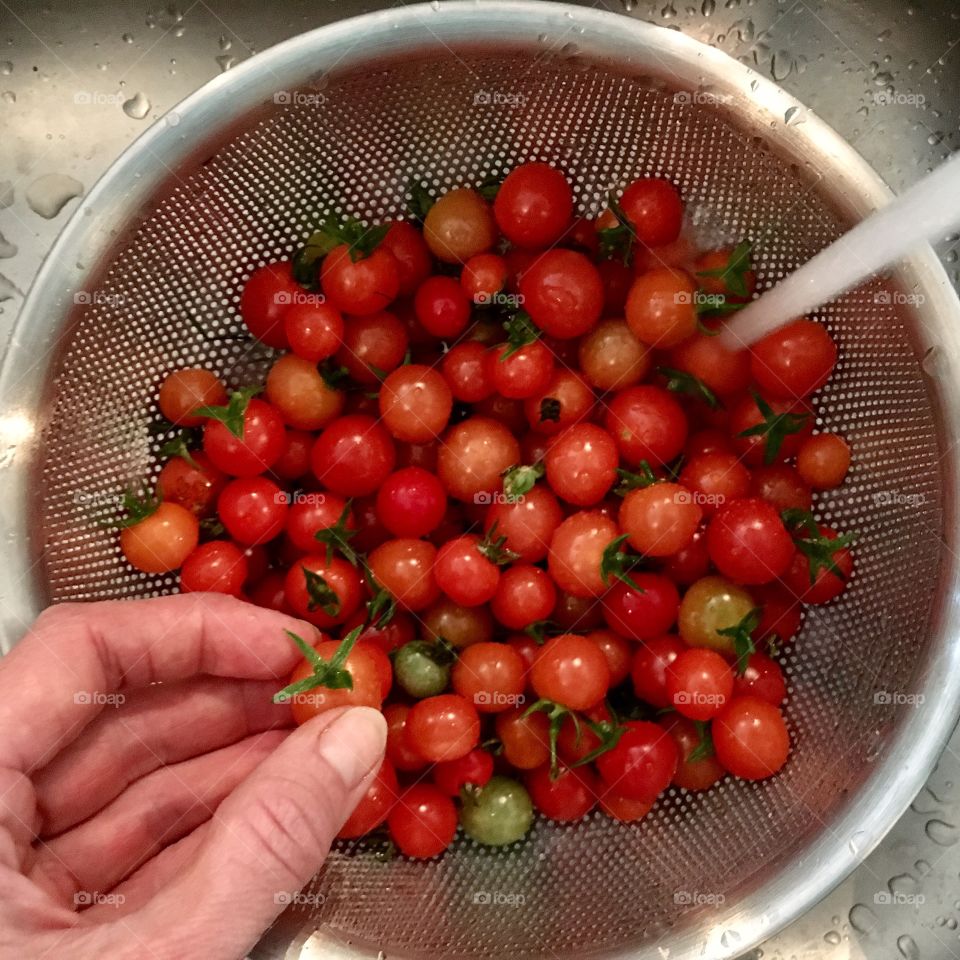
<point x="520" y="372"/>
<point x="182" y="391"/>
<point x="528" y="522"/>
<point x="654" y="210"/>
<point x="525" y="737"/>
<point x="710" y="608"/>
<point x="300" y="395"/>
<point x="323" y="591"/>
<point x="698" y="767"/>
<point x="467" y="569"/>
<point x="768" y="431"/>
<point x="159" y="536"/>
<point x="567" y="797"/>
<point x="243" y="438"/>
<point x="472" y="456"/>
<point x="725" y="372"/>
<point x="821" y="567"/>
<point x="360" y="284"/>
<point x="320" y="518"/>
<point x="577" y="550"/>
<point x="761" y="678"/>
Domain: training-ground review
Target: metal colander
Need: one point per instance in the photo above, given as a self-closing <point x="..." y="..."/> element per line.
<point x="147" y="276"/>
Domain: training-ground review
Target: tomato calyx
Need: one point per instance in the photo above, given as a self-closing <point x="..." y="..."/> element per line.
<point x="336" y="231"/>
<point x="774" y="427"/>
<point x="644" y="477"/>
<point x="521" y="479"/>
<point x="734" y="274"/>
<point x="818" y="549"/>
<point x="679" y="381"/>
<point x="556" y="713"/>
<point x="541" y="630"/>
<point x="617" y="563"/>
<point x="704" y="748"/>
<point x="381" y="607"/>
<point x="211" y="528"/>
<point x="742" y="635"/>
<point x="420" y="200"/>
<point x="138" y="506"/>
<point x="616" y="243"/>
<point x="609" y="732"/>
<point x="326" y="673"/>
<point x="549" y="410"/>
<point x="489" y="187"/>
<point x="320" y="593"/>
<point x="494" y="548"/>
<point x="338" y="536"/>
<point x="521" y="332"/>
<point x="232" y="414"/>
<point x="181" y="445"/>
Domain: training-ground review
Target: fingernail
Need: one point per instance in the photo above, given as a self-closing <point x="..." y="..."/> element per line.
<point x="354" y="743"/>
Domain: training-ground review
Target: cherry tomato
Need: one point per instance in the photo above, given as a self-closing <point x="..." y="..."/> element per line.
<point x="571" y="670"/>
<point x="623" y="809"/>
<point x="484" y="276"/>
<point x="570" y="796"/>
<point x="457" y="625"/>
<point x="375" y="805"/>
<point x="525" y="594"/>
<point x="459" y="226"/>
<point x="353" y="455"/>
<point x="576" y="553"/>
<point x="715" y="478"/>
<point x="719" y="260"/>
<point x="525" y="738"/>
<point x="748" y="542"/>
<point x="781" y="486"/>
<point x="444" y="727"/>
<point x="652" y="206"/>
<point x="312" y="512"/>
<point x="618" y="653"/>
<point x="699" y="683"/>
<point x="642" y="764"/>
<point x="689" y="563"/>
<point x="325" y="603"/>
<point x="266" y="297"/>
<point x="464" y="573"/>
<point x="467" y="371"/>
<point x="709" y="606"/>
<point x="314" y="330"/>
<point x="422" y="822"/>
<point x="520" y="373"/>
<point x="415" y="403"/>
<point x="442" y="307"/>
<point x="649" y="669"/>
<point x="751" y="739"/>
<point x="581" y="464"/>
<point x="300" y="394"/>
<point x="491" y="676"/>
<point x="404" y="568"/>
<point x="528" y="522"/>
<point x="612" y="358"/>
<point x="534" y="205"/>
<point x="363" y="286"/>
<point x="641" y="616"/>
<point x="745" y="415"/>
<point x="411" y="502"/>
<point x="563" y="293"/>
<point x="826" y="584"/>
<point x="474" y="768"/>
<point x="701" y="772"/>
<point x="162" y="541"/>
<point x="421" y="670"/>
<point x="184" y="390"/>
<point x="497" y="814"/>
<point x="779" y="614"/>
<point x="661" y="308"/>
<point x="823" y="461"/>
<point x="566" y="399"/>
<point x="294" y="462"/>
<point x="372" y="347"/>
<point x="412" y="254"/>
<point x="725" y="372"/>
<point x="762" y="678"/>
<point x="194" y="486"/>
<point x="258" y="447"/>
<point x="647" y="424"/>
<point x="793" y="361"/>
<point x="400" y="750"/>
<point x="660" y="519"/>
<point x="365" y="692"/>
<point x="215" y="567"/>
<point x="253" y="509"/>
<point x="472" y="456"/>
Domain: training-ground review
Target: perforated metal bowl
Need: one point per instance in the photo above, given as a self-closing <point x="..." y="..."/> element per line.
<point x="146" y="278"/>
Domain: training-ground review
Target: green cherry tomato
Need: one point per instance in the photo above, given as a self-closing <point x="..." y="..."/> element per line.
<point x="498" y="813"/>
<point x="419" y="670"/>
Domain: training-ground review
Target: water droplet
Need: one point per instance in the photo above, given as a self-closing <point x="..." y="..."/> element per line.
<point x="7" y="249"/>
<point x="629" y="5"/>
<point x="6" y="68"/>
<point x="8" y="288"/>
<point x="952" y="923"/>
<point x="225" y="61"/>
<point x="941" y="832"/>
<point x="853" y="844"/>
<point x="729" y="939"/>
<point x="48" y="195"/>
<point x="6" y="194"/>
<point x="882" y="78"/>
<point x="127" y="38"/>
<point x="668" y="12"/>
<point x="137" y="107"/>
<point x="902" y="884"/>
<point x="569" y="50"/>
<point x="793" y="115"/>
<point x="935" y="138"/>
<point x="225" y="42"/>
<point x="8" y="96"/>
<point x="781" y="65"/>
<point x="708" y="7"/>
<point x="754" y="85"/>
<point x="921" y="866"/>
<point x="180" y="31"/>
<point x="434" y="4"/>
<point x="863" y="919"/>
<point x="883" y="35"/>
<point x="950" y="256"/>
<point x="908" y="947"/>
<point x="833" y="938"/>
<point x="172" y="119"/>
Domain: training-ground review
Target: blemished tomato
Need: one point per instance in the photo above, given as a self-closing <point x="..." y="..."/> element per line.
<point x="253" y="509"/>
<point x="826" y="584"/>
<point x="748" y="542"/>
<point x="525" y="594"/>
<point x="422" y="822"/>
<point x="563" y="293"/>
<point x="491" y="676"/>
<point x="534" y="205"/>
<point x="323" y="592"/>
<point x="699" y="683"/>
<point x="194" y="486"/>
<point x="781" y="486"/>
<point x="647" y="424"/>
<point x="527" y="523"/>
<point x="566" y="399"/>
<point x="375" y="805"/>
<point x="581" y="464"/>
<point x="755" y="449"/>
<point x="474" y="768"/>
<point x="162" y="541"/>
<point x="661" y="308"/>
<point x="258" y="447"/>
<point x="301" y="395"/>
<point x="458" y="625"/>
<point x="372" y="347"/>
<point x="571" y="670"/>
<point x="466" y="369"/>
<point x="660" y="519"/>
<point x="404" y="568"/>
<point x="400" y="751"/>
<point x="642" y="616"/>
<point x="520" y="373"/>
<point x="483" y="276"/>
<point x="654" y="209"/>
<point x="363" y="286"/>
<point x="642" y="764"/>
<point x="444" y="727"/>
<point x="716" y="478"/>
<point x="310" y="513"/>
<point x="472" y="456"/>
<point x="184" y="390"/>
<point x="459" y="226"/>
<point x="525" y="738"/>
<point x="365" y="692"/>
<point x="709" y="606"/>
<point x="464" y="573"/>
<point x="442" y="307"/>
<point x="576" y="552"/>
<point x="793" y="361"/>
<point x="762" y="678"/>
<point x="411" y="502"/>
<point x="725" y="372"/>
<point x="649" y="669"/>
<point x="703" y="771"/>
<point x="412" y="254"/>
<point x="498" y="814"/>
<point x="415" y="403"/>
<point x="823" y="461"/>
<point x="750" y="738"/>
<point x="612" y="358"/>
<point x="569" y="796"/>
<point x="314" y="330"/>
<point x="353" y="455"/>
<point x="266" y="297"/>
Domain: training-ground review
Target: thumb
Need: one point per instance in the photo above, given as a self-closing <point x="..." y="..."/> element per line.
<point x="268" y="838"/>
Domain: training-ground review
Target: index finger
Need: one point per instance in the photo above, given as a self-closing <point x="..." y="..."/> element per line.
<point x="77" y="658"/>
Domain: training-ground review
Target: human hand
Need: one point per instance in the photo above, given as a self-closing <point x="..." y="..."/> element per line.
<point x="184" y="812"/>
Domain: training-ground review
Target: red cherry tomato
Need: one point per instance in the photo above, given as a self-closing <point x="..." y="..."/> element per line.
<point x="762" y="678"/>
<point x="215" y="567"/>
<point x="442" y="307"/>
<point x="563" y="293"/>
<point x="793" y="361"/>
<point x="375" y="805"/>
<point x="184" y="390"/>
<point x="423" y="822"/>
<point x="363" y="286"/>
<point x="826" y="584"/>
<point x="576" y="553"/>
<point x="520" y="373"/>
<point x="652" y="206"/>
<point x="312" y="512"/>
<point x="365" y="692"/>
<point x="748" y="542"/>
<point x="258" y="447"/>
<point x="372" y="347"/>
<point x="162" y="541"/>
<point x="660" y="519"/>
<point x="472" y="457"/>
<point x="698" y="772"/>
<point x="751" y="738"/>
<point x="412" y="254"/>
<point x="534" y="205"/>
<point x="699" y="683"/>
<point x="490" y="675"/>
<point x="404" y="568"/>
<point x="353" y="455"/>
<point x="415" y="403"/>
<point x="400" y="750"/>
<point x="253" y="509"/>
<point x="642" y="616"/>
<point x="570" y="796"/>
<point x="581" y="464"/>
<point x="467" y="371"/>
<point x="266" y="297"/>
<point x="411" y="502"/>
<point x="464" y="574"/>
<point x="474" y="769"/>
<point x="647" y="424"/>
<point x="194" y="486"/>
<point x="321" y="592"/>
<point x="642" y="764"/>
<point x="649" y="668"/>
<point x="525" y="594"/>
<point x="528" y="522"/>
<point x="571" y="670"/>
<point x="314" y="330"/>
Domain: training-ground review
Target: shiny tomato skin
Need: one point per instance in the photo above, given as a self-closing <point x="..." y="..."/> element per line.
<point x="442" y="307"/>
<point x="444" y="727"/>
<point x="654" y="209"/>
<point x="566" y="798"/>
<point x="474" y="768"/>
<point x="762" y="678"/>
<point x="464" y="574"/>
<point x="528" y="524"/>
<point x="642" y="764"/>
<point x="642" y="616"/>
<point x="404" y="567"/>
<point x="265" y="298"/>
<point x="748" y="542"/>
<point x="534" y="205"/>
<point x="375" y="805"/>
<point x="473" y="455"/>
<point x="410" y="250"/>
<point x="826" y="585"/>
<point x="255" y="451"/>
<point x="794" y="361"/>
<point x="411" y="502"/>
<point x="696" y="774"/>
<point x="353" y="455"/>
<point x="581" y="464"/>
<point x="182" y="391"/>
<point x="699" y="683"/>
<point x="314" y="330"/>
<point x="563" y="293"/>
<point x="660" y="519"/>
<point x="194" y="486"/>
<point x="649" y="668"/>
<point x="576" y="552"/>
<point x="340" y="577"/>
<point x="423" y="822"/>
<point x="162" y="541"/>
<point x="360" y="287"/>
<point x="571" y="670"/>
<point x="750" y="738"/>
<point x="215" y="567"/>
<point x="365" y="692"/>
<point x="253" y="509"/>
<point x="525" y="594"/>
<point x="647" y="424"/>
